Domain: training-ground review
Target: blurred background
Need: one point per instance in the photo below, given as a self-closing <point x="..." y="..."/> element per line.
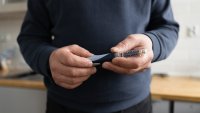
<point x="183" y="62"/>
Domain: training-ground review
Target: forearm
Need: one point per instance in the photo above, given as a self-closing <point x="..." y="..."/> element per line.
<point x="36" y="53"/>
<point x="35" y="37"/>
<point x="162" y="29"/>
<point x="164" y="40"/>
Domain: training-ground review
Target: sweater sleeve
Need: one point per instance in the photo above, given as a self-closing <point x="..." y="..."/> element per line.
<point x="162" y="29"/>
<point x="35" y="37"/>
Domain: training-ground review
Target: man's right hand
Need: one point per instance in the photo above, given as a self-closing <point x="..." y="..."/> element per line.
<point x="70" y="66"/>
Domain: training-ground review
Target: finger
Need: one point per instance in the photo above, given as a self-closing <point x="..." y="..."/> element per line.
<point x="68" y="86"/>
<point x="127" y="44"/>
<point x="148" y="65"/>
<point x="79" y="51"/>
<point x="117" y="69"/>
<point x="144" y="67"/>
<point x="131" y="62"/>
<point x="70" y="80"/>
<point x="76" y="72"/>
<point x="76" y="80"/>
<point x="70" y="59"/>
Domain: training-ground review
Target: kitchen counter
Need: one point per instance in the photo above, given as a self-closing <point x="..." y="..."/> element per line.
<point x="169" y="88"/>
<point x="30" y="84"/>
<point x="165" y="88"/>
<point x="21" y="79"/>
<point x="176" y="88"/>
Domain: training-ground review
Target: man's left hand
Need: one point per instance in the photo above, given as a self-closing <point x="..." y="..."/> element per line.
<point x="131" y="65"/>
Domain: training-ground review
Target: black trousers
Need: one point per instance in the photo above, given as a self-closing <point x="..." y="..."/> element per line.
<point x="143" y="107"/>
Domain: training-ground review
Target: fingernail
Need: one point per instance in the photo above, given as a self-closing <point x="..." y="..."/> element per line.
<point x="114" y="49"/>
<point x="105" y="65"/>
<point x="94" y="70"/>
<point x="90" y="62"/>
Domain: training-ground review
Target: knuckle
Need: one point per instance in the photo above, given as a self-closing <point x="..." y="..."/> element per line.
<point x="57" y="82"/>
<point x="137" y="65"/>
<point x="128" y="72"/>
<point x="66" y="53"/>
<point x="67" y="86"/>
<point x="86" y="78"/>
<point x="73" y="72"/>
<point x="64" y="85"/>
<point x="140" y="63"/>
<point x="123" y="44"/>
<point x="72" y="86"/>
<point x="53" y="67"/>
<point x="55" y="52"/>
<point x="70" y="60"/>
<point x="54" y="76"/>
<point x="74" y="46"/>
<point x="131" y="37"/>
<point x="57" y="79"/>
<point x="73" y="81"/>
<point x="58" y="53"/>
<point x="87" y="72"/>
<point x="91" y="71"/>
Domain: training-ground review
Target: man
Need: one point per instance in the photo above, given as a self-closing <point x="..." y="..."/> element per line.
<point x="81" y="28"/>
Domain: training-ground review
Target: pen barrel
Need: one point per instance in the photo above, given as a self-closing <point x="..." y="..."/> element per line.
<point x="106" y="57"/>
<point x="131" y="53"/>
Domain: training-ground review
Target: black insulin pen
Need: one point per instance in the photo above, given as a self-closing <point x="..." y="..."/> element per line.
<point x="99" y="59"/>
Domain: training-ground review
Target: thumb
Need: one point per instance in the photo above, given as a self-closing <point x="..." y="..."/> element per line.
<point x="127" y="44"/>
<point x="77" y="50"/>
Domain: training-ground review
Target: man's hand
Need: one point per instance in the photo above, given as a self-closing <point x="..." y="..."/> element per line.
<point x="70" y="66"/>
<point x="131" y="65"/>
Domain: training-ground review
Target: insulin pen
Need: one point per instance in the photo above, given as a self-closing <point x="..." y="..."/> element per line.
<point x="99" y="59"/>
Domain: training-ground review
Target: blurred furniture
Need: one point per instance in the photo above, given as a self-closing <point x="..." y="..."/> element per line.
<point x="174" y="88"/>
<point x="30" y="84"/>
<point x="168" y="88"/>
<point x="20" y="78"/>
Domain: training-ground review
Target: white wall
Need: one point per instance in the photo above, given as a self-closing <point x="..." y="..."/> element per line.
<point x="185" y="59"/>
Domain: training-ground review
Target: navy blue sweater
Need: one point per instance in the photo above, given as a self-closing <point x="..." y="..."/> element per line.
<point x="96" y="25"/>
